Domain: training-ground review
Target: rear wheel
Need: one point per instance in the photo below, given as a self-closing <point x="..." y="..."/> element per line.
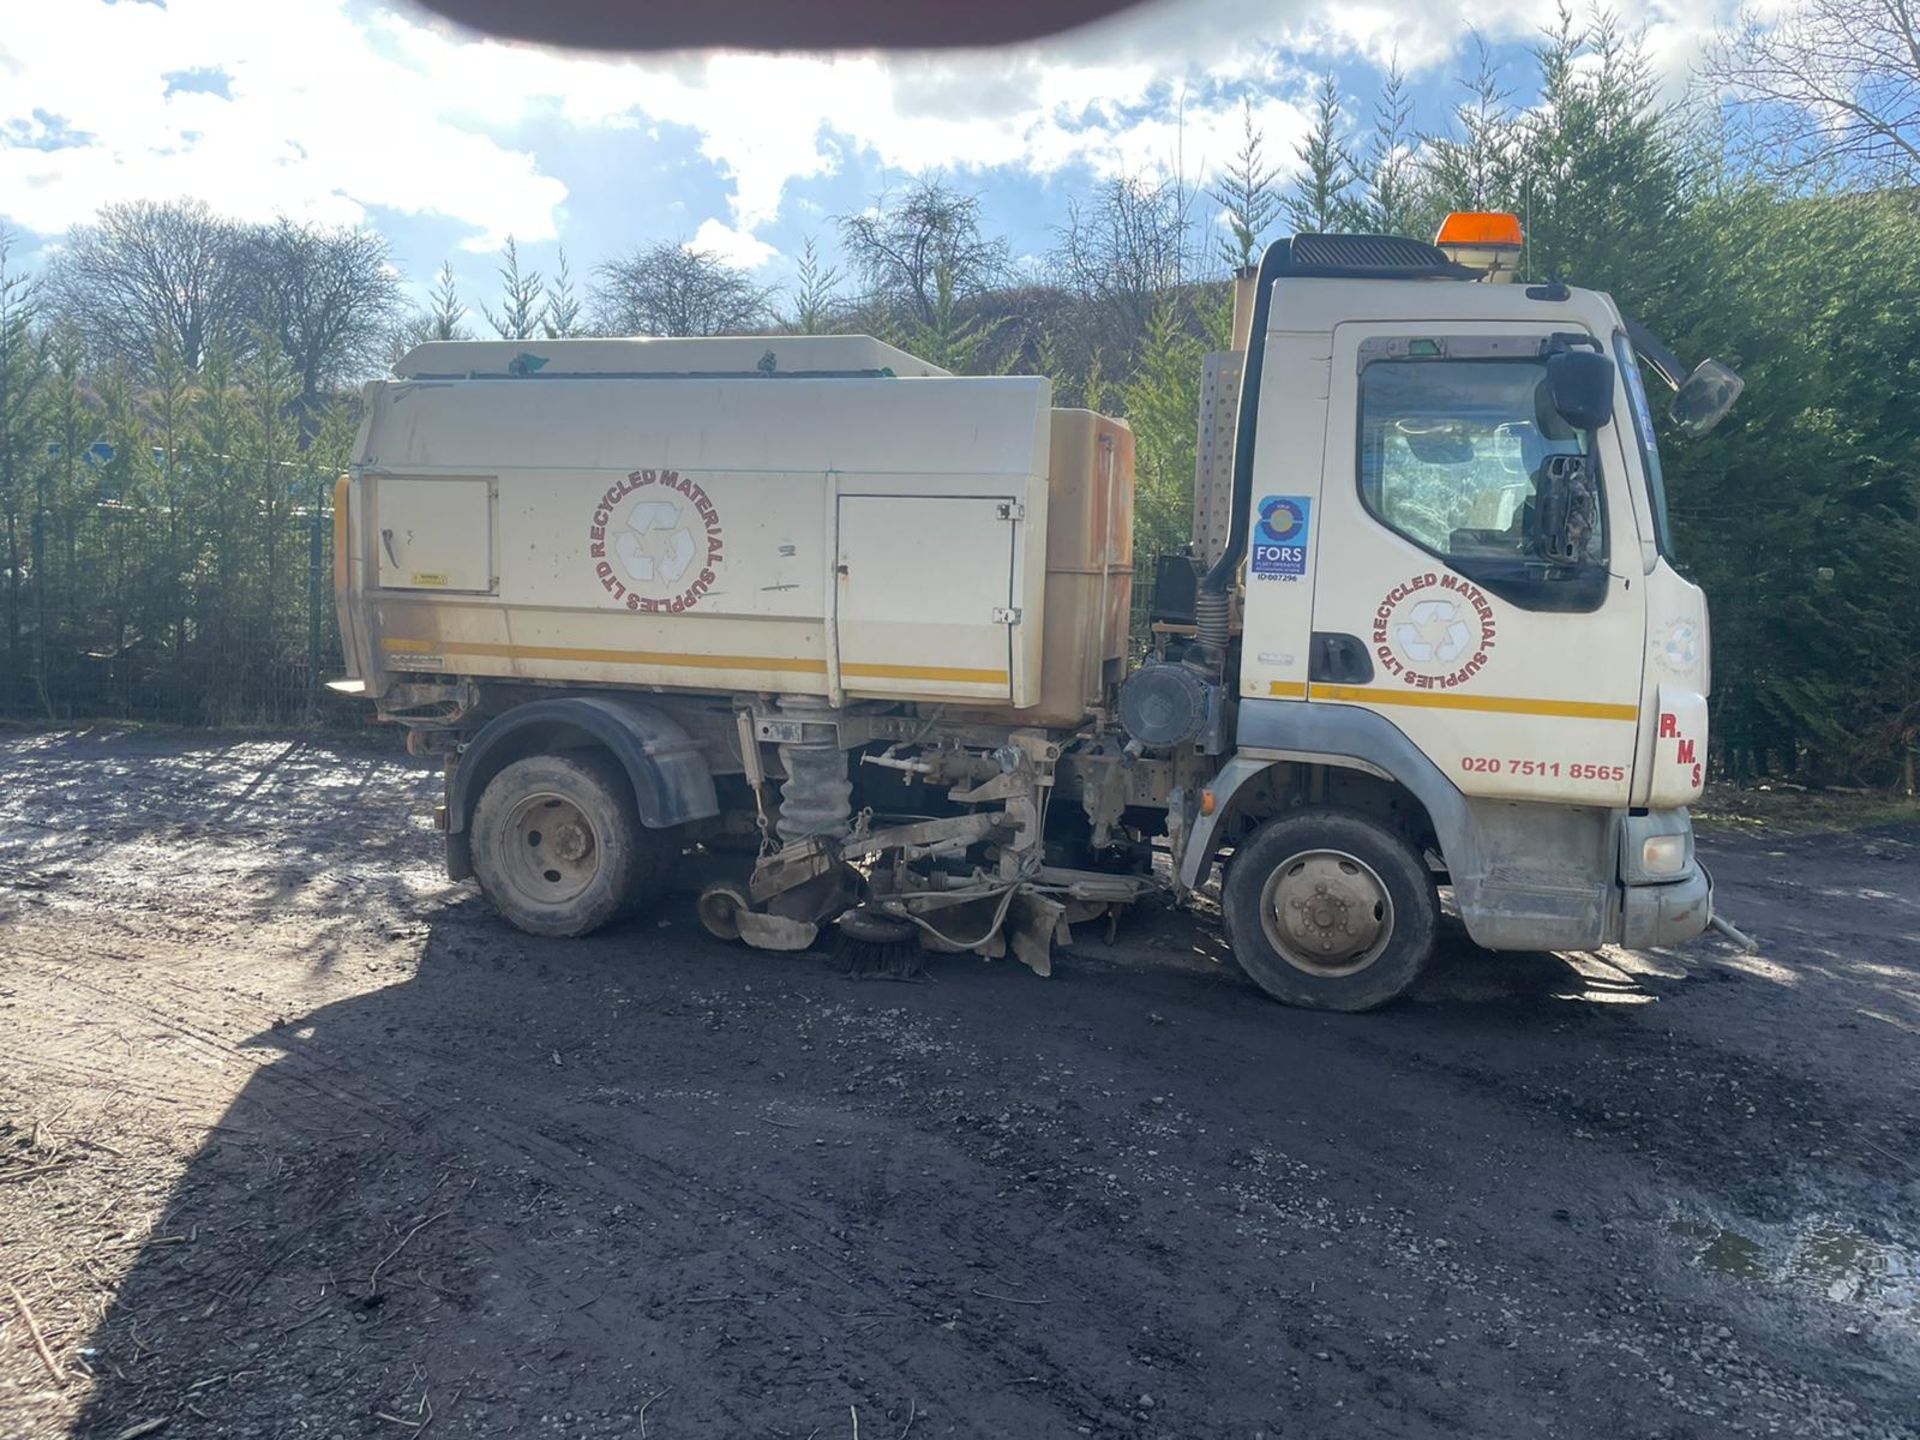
<point x="1330" y="909"/>
<point x="557" y="844"/>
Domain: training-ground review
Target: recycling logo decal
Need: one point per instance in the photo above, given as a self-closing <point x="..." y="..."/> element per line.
<point x="1679" y="648"/>
<point x="1434" y="632"/>
<point x="655" y="541"/>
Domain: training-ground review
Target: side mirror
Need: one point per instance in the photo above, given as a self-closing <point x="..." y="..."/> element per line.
<point x="1704" y="400"/>
<point x="1581" y="384"/>
<point x="1566" y="509"/>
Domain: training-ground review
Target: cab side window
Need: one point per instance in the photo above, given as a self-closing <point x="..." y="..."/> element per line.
<point x="1451" y="452"/>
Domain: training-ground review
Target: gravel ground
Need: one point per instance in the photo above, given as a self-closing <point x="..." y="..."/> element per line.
<point x="296" y="1139"/>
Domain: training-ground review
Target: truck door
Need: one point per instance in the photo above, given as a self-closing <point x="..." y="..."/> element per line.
<point x="1518" y="679"/>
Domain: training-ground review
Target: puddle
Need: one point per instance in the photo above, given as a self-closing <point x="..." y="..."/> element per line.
<point x="1820" y="1256"/>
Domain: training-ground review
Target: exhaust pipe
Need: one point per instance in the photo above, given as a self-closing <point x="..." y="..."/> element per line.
<point x="1213" y="600"/>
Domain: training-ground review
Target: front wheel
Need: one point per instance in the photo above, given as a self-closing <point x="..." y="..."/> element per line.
<point x="1330" y="909"/>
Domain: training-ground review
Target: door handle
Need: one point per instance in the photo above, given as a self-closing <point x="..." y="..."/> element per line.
<point x="1336" y="659"/>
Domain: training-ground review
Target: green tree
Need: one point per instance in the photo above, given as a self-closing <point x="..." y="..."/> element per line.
<point x="1391" y="205"/>
<point x="1600" y="169"/>
<point x="1322" y="200"/>
<point x="23" y="373"/>
<point x="523" y="301"/>
<point x="1799" y="514"/>
<point x="446" y="314"/>
<point x="950" y="338"/>
<point x="561" y="313"/>
<point x="1248" y="195"/>
<point x="1162" y="402"/>
<point x="1474" y="163"/>
<point x="816" y="293"/>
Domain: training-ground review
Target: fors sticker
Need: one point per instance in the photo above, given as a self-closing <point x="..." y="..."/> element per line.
<point x="1280" y="537"/>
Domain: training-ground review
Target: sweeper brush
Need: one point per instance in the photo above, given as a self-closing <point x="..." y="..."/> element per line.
<point x="867" y="946"/>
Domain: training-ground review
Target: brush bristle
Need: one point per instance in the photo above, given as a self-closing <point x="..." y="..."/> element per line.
<point x="865" y="960"/>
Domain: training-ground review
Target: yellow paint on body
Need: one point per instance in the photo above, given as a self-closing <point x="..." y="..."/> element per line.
<point x="1487" y="704"/>
<point x="785" y="664"/>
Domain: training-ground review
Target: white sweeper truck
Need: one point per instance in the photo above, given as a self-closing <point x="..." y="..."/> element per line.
<point x="857" y="630"/>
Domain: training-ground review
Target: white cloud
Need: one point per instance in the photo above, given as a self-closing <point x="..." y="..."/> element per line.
<point x="334" y="107"/>
<point x="736" y="247"/>
<point x="317" y="126"/>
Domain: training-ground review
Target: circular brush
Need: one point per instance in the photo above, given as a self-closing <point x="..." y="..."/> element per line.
<point x="867" y="946"/>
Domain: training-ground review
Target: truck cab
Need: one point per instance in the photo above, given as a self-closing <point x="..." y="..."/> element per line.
<point x="1455" y="584"/>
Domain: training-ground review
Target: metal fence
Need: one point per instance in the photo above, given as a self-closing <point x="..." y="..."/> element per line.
<point x="114" y="611"/>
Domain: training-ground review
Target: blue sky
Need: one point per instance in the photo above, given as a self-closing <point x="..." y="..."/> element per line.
<point x="350" y="111"/>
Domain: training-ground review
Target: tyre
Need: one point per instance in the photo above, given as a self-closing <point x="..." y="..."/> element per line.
<point x="557" y="844"/>
<point x="1330" y="910"/>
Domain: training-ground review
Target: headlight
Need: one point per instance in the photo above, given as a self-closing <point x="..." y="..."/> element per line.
<point x="1663" y="854"/>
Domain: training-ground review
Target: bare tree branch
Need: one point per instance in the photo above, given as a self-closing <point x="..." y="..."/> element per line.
<point x="668" y="289"/>
<point x="1830" y="82"/>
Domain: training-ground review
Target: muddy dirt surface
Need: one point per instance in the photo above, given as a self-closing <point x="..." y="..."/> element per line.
<point x="297" y="1140"/>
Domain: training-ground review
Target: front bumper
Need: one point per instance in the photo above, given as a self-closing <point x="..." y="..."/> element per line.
<point x="1667" y="914"/>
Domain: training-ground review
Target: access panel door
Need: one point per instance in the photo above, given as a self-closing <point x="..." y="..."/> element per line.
<point x="433" y="532"/>
<point x="925" y="595"/>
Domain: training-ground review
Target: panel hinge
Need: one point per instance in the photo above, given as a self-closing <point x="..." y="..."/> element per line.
<point x="1012" y="510"/>
<point x="1002" y="615"/>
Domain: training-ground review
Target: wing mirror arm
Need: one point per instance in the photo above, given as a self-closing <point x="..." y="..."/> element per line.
<point x="1701" y="398"/>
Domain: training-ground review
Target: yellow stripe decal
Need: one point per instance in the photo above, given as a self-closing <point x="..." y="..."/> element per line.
<point x="915" y="672"/>
<point x="1492" y="704"/>
<point x="396" y="645"/>
<point x="1287" y="689"/>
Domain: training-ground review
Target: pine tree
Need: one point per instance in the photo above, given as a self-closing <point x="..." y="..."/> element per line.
<point x="1602" y="180"/>
<point x="446" y="316"/>
<point x="1321" y="201"/>
<point x="948" y="340"/>
<point x="521" y="298"/>
<point x="23" y="372"/>
<point x="561" y="316"/>
<point x="1162" y="401"/>
<point x="816" y="293"/>
<point x="1392" y="199"/>
<point x="1248" y="196"/>
<point x="1475" y="166"/>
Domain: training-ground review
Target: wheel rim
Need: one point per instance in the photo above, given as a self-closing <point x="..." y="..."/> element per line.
<point x="1326" y="913"/>
<point x="553" y="850"/>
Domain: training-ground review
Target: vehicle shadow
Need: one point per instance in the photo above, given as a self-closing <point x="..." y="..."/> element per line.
<point x="450" y="1201"/>
<point x="560" y="1185"/>
<point x="551" y="1184"/>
